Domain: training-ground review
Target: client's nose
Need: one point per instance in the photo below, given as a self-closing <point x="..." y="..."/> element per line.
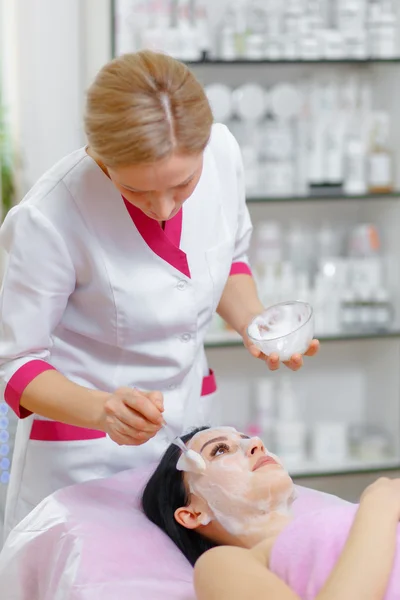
<point x="255" y="446"/>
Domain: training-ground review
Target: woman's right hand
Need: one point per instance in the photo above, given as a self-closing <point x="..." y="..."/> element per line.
<point x="383" y="495"/>
<point x="131" y="417"/>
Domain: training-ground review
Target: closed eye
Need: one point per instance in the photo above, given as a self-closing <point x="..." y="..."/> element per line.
<point x="136" y="192"/>
<point x="183" y="185"/>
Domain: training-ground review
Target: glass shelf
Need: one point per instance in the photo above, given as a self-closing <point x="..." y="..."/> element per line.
<point x="231" y="340"/>
<point x="321" y="198"/>
<point x="352" y="466"/>
<point x="265" y="61"/>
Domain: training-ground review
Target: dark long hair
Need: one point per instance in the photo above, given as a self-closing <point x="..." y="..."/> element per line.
<point x="164" y="493"/>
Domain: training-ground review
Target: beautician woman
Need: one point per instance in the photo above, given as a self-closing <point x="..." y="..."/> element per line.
<point x="117" y="259"/>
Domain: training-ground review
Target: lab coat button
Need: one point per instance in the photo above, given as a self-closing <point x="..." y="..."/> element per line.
<point x="186" y="337"/>
<point x="4" y="436"/>
<point x="182" y="285"/>
<point x="4" y="450"/>
<point x="172" y="386"/>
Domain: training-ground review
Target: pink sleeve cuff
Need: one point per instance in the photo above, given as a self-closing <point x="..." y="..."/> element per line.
<point x="18" y="382"/>
<point x="240" y="268"/>
<point x="209" y="385"/>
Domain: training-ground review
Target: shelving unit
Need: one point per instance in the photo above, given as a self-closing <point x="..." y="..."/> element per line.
<point x="356" y="375"/>
<point x="317" y="197"/>
<point x="311" y="469"/>
<point x="232" y="340"/>
<point x="316" y="61"/>
<point x="369" y="384"/>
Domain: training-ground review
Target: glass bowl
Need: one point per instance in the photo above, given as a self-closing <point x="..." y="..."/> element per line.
<point x="284" y="329"/>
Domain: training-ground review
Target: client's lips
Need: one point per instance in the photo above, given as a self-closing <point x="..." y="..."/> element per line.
<point x="264" y="460"/>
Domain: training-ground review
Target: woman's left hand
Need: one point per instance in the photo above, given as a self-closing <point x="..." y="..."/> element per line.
<point x="273" y="362"/>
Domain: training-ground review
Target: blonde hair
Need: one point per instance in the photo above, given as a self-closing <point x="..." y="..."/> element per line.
<point x="142" y="107"/>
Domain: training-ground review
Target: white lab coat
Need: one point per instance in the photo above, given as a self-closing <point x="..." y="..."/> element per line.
<point x="110" y="301"/>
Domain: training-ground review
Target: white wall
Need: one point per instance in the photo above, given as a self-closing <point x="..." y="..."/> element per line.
<point x="48" y="40"/>
<point x="97" y="36"/>
<point x="50" y="50"/>
<point x="8" y="59"/>
<point x="9" y="98"/>
<point x="60" y="46"/>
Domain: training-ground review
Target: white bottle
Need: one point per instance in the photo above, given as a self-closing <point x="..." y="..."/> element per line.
<point x="310" y="47"/>
<point x="350" y="15"/>
<point x="227" y="39"/>
<point x="316" y="172"/>
<point x="278" y="148"/>
<point x="227" y="48"/>
<point x="387" y="37"/>
<point x="269" y="286"/>
<point x="300" y="249"/>
<point x="328" y="241"/>
<point x="256" y="24"/>
<point x="278" y="140"/>
<point x="365" y="308"/>
<point x="155" y="36"/>
<point x="332" y="45"/>
<point x="355" y="168"/>
<point x="279" y="178"/>
<point x="332" y="312"/>
<point x="318" y="302"/>
<point x="169" y="22"/>
<point x="265" y="417"/>
<point x="374" y="270"/>
<point x="269" y="243"/>
<point x="364" y="242"/>
<point x="303" y="288"/>
<point x="365" y="112"/>
<point x="330" y="442"/>
<point x="252" y="170"/>
<point x="350" y="92"/>
<point x="189" y="49"/>
<point x="291" y="432"/>
<point x="382" y="308"/>
<point x="302" y="143"/>
<point x="335" y="145"/>
<point x="380" y="168"/>
<point x="273" y="33"/>
<point x="348" y="310"/>
<point x="202" y="25"/>
<point x="287" y="283"/>
<point x="132" y="18"/>
<point x="267" y="260"/>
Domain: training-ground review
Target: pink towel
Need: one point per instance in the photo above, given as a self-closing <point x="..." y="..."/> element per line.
<point x="306" y="551"/>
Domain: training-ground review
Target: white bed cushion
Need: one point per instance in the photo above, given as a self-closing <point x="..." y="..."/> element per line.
<point x="92" y="542"/>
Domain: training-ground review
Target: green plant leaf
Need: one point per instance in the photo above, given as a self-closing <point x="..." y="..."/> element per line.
<point x="6" y="167"/>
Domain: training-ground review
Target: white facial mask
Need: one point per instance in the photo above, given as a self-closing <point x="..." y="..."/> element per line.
<point x="238" y="498"/>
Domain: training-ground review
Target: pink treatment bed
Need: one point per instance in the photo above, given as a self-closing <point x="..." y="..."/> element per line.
<point x="91" y="541"/>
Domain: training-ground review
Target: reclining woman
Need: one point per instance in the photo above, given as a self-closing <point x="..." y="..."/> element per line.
<point x="230" y="500"/>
